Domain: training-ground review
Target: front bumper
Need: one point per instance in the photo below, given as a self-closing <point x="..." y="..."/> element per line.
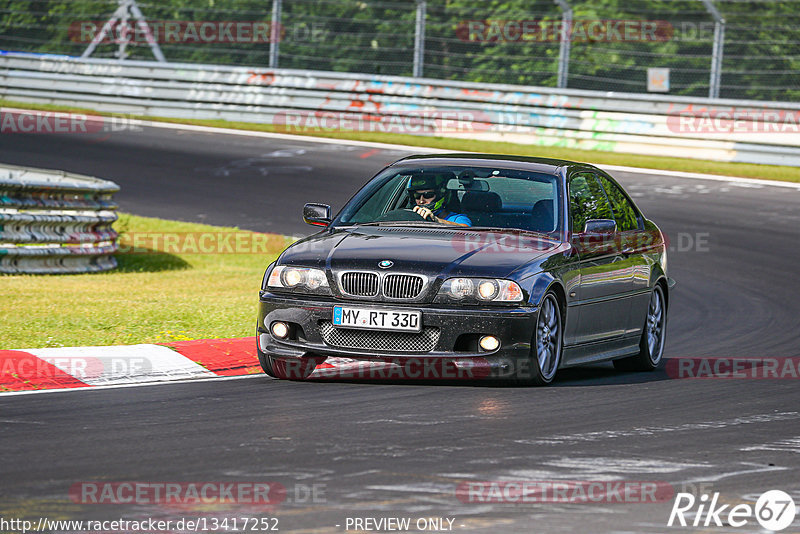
<point x="459" y="329"/>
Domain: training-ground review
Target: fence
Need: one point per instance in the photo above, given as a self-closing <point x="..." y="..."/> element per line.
<point x="54" y="222"/>
<point x="735" y="49"/>
<point x="313" y="102"/>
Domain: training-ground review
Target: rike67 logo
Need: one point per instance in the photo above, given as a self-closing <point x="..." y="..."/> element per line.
<point x="774" y="510"/>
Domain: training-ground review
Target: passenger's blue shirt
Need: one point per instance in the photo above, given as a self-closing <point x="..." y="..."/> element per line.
<point x="458" y="218"/>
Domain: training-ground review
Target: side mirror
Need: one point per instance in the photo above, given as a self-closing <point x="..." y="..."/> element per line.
<point x="317" y="214"/>
<point x="600" y="226"/>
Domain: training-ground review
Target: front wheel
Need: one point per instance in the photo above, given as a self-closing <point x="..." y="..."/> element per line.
<point x="546" y="345"/>
<point x="294" y="369"/>
<point x="651" y="345"/>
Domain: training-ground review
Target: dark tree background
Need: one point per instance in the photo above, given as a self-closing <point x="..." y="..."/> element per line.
<point x="761" y="53"/>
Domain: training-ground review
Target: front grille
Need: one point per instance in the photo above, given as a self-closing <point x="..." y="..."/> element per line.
<point x="353" y="338"/>
<point x="360" y="284"/>
<point x="402" y="286"/>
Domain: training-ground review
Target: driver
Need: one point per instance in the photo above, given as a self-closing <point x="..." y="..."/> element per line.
<point x="429" y="195"/>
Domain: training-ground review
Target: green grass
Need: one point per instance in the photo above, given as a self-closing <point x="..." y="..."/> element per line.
<point x="768" y="172"/>
<point x="152" y="297"/>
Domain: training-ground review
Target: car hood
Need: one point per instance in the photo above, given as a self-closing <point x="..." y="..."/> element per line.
<point x="429" y="251"/>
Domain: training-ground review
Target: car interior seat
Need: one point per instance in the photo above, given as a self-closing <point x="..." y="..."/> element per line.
<point x="542" y="216"/>
<point x="482" y="207"/>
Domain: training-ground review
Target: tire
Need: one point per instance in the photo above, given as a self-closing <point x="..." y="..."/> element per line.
<point x="266" y="364"/>
<point x="287" y="370"/>
<point x="651" y="345"/>
<point x="546" y="345"/>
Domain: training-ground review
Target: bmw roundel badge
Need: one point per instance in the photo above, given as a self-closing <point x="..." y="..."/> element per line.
<point x="385" y="264"/>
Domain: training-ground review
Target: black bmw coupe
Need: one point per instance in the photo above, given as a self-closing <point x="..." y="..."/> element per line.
<point x="490" y="266"/>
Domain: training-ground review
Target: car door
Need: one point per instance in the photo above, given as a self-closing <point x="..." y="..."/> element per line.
<point x="604" y="274"/>
<point x="632" y="240"/>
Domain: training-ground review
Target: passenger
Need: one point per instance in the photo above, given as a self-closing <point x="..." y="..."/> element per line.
<point x="429" y="196"/>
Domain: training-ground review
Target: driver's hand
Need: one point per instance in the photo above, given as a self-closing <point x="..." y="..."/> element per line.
<point x="425" y="213"/>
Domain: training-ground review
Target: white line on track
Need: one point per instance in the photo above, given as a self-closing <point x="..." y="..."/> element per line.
<point x="288" y="137"/>
<point x="699" y="176"/>
<point x="650" y="431"/>
<point x="756" y="468"/>
<point x="428" y="150"/>
<point x="136" y="385"/>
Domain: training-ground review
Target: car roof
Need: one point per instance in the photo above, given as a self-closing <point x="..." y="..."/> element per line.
<point x="544" y="165"/>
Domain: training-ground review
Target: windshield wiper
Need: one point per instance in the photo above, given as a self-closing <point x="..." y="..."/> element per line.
<point x="426" y="224"/>
<point x="501" y="229"/>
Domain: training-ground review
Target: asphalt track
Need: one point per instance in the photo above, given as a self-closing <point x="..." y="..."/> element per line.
<point x="379" y="449"/>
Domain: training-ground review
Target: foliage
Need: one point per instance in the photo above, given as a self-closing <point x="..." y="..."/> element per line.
<point x="761" y="52"/>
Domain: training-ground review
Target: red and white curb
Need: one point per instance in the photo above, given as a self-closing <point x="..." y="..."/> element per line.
<point x="81" y="367"/>
<point x="77" y="368"/>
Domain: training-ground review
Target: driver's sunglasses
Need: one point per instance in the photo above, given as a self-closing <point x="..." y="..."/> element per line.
<point x="424" y="194"/>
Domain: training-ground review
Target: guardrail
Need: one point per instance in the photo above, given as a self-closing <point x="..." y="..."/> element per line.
<point x="54" y="222"/>
<point x="294" y="100"/>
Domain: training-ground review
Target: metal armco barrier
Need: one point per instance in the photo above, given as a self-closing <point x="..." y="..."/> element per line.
<point x="54" y="222"/>
<point x="293" y="100"/>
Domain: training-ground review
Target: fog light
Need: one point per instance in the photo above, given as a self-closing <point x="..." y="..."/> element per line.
<point x="489" y="343"/>
<point x="280" y="330"/>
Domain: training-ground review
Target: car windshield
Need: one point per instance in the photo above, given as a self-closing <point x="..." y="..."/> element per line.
<point x="490" y="197"/>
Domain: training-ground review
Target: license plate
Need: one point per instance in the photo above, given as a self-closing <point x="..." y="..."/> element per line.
<point x="377" y="319"/>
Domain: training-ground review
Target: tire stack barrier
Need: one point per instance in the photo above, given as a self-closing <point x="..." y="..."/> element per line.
<point x="54" y="222"/>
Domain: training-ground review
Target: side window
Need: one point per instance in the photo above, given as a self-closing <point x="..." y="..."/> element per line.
<point x="376" y="205"/>
<point x="586" y="201"/>
<point x="624" y="212"/>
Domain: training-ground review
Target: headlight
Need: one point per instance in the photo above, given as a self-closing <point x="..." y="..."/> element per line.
<point x="480" y="289"/>
<point x="460" y="287"/>
<point x="291" y="277"/>
<point x="299" y="278"/>
<point x="487" y="289"/>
